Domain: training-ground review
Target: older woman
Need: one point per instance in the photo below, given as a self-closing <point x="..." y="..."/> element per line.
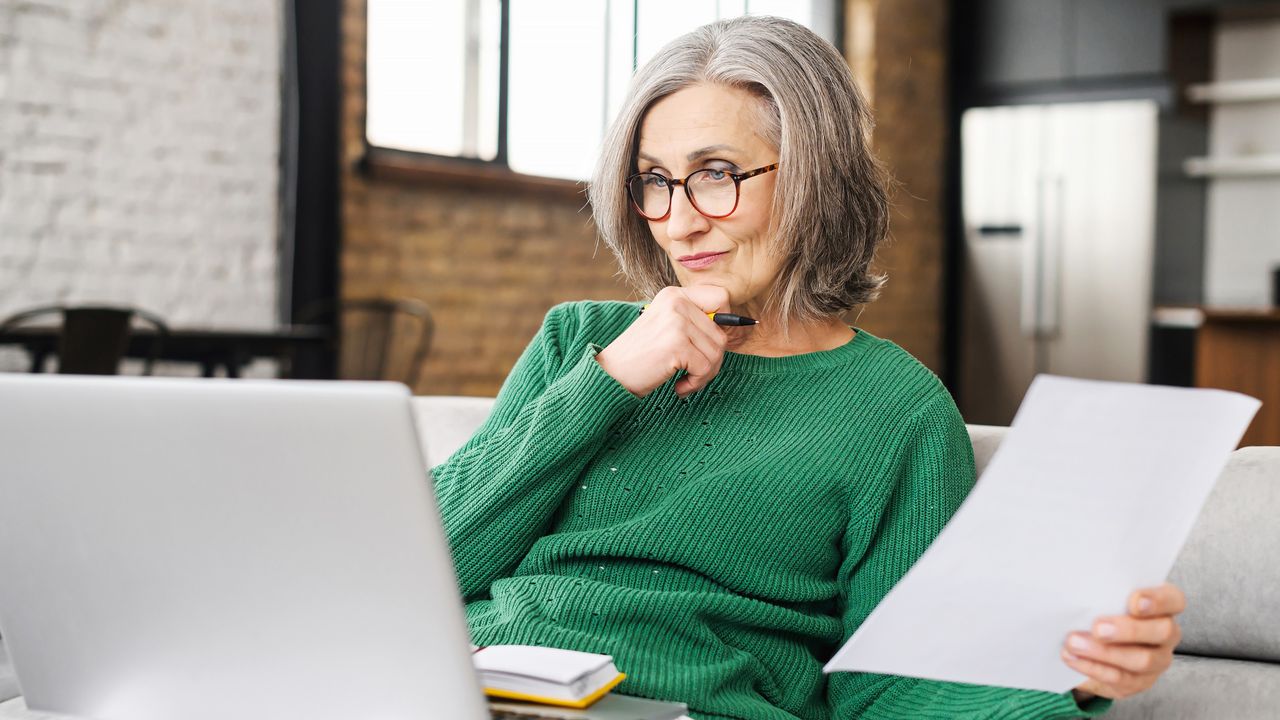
<point x="721" y="508"/>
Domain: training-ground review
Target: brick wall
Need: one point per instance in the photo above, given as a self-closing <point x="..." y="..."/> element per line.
<point x="491" y="261"/>
<point x="138" y="157"/>
<point x="906" y="62"/>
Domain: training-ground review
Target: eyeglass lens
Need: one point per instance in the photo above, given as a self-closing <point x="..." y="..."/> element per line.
<point x="714" y="193"/>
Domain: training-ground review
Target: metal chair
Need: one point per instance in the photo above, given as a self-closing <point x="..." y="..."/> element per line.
<point x="92" y="339"/>
<point x="378" y="338"/>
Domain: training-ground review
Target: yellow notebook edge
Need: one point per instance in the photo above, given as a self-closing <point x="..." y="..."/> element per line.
<point x="577" y="705"/>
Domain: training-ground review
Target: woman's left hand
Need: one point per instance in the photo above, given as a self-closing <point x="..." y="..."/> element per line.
<point x="1125" y="655"/>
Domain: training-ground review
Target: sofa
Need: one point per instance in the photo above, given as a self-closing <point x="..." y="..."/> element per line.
<point x="1228" y="664"/>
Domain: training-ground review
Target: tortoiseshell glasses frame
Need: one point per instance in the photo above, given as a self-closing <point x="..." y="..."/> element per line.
<point x="645" y="191"/>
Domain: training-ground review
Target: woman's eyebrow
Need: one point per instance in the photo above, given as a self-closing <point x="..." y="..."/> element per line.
<point x="701" y="152"/>
<point x="711" y="149"/>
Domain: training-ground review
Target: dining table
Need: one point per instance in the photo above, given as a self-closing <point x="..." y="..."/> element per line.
<point x="230" y="349"/>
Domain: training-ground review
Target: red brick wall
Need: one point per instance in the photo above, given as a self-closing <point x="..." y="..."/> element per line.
<point x="909" y="95"/>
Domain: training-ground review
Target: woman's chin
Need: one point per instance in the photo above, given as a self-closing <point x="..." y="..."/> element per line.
<point x="717" y="277"/>
<point x="719" y="280"/>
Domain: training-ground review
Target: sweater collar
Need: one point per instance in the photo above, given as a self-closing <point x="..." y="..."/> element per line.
<point x="804" y="362"/>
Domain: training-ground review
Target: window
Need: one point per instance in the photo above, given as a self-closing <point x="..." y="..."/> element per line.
<point x="436" y="72"/>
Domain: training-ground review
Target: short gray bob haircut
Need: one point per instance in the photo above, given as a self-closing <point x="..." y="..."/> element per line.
<point x="830" y="207"/>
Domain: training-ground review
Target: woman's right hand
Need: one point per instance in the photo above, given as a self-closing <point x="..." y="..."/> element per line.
<point x="672" y="334"/>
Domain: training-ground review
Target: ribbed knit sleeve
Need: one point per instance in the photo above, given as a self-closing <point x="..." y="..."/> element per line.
<point x="498" y="492"/>
<point x="932" y="470"/>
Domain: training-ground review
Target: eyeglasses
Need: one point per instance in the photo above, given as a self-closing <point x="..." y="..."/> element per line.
<point x="712" y="191"/>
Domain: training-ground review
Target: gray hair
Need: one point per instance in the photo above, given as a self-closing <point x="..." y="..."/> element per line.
<point x="830" y="206"/>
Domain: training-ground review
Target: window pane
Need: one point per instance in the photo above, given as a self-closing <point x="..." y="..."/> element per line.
<point x="557" y="86"/>
<point x="658" y="22"/>
<point x="622" y="30"/>
<point x="801" y="12"/>
<point x="432" y="73"/>
<point x="490" y="72"/>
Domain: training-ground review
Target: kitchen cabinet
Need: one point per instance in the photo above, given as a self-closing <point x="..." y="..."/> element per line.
<point x="1239" y="349"/>
<point x="1019" y="41"/>
<point x="1043" y="44"/>
<point x="1115" y="39"/>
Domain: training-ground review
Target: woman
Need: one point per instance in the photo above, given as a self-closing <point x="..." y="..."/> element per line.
<point x="721" y="508"/>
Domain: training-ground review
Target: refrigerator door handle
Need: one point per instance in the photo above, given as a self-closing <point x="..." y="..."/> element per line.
<point x="1041" y="266"/>
<point x="1051" y="259"/>
<point x="1032" y="258"/>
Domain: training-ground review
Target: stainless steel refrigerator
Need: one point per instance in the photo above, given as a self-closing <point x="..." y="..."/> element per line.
<point x="1059" y="223"/>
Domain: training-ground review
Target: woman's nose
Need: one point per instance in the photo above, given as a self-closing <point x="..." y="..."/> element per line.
<point x="684" y="220"/>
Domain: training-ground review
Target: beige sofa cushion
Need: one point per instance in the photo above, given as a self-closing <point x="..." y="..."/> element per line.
<point x="445" y="422"/>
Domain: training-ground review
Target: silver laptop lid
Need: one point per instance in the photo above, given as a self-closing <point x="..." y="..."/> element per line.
<point x="192" y="549"/>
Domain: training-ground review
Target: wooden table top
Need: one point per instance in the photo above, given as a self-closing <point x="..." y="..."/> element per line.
<point x="1241" y="314"/>
<point x="1191" y="316"/>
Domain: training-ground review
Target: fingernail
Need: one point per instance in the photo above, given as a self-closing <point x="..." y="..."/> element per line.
<point x="1068" y="656"/>
<point x="1077" y="642"/>
<point x="1105" y="630"/>
<point x="1145" y="604"/>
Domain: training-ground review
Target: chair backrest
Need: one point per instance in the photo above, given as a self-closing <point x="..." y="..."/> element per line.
<point x="1228" y="567"/>
<point x="379" y="338"/>
<point x="93" y="338"/>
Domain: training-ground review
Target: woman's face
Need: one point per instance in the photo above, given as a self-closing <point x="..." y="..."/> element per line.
<point x="712" y="126"/>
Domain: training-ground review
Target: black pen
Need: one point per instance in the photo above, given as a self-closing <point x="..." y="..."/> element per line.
<point x="726" y="318"/>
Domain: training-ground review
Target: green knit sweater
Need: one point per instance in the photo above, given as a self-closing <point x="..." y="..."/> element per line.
<point x="721" y="547"/>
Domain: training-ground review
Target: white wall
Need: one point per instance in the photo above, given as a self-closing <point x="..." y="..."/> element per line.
<point x="139" y="146"/>
<point x="1243" y="234"/>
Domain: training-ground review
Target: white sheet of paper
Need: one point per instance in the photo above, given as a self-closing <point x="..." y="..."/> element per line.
<point x="1090" y="496"/>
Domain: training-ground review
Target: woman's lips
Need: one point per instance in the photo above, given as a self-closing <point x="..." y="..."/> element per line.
<point x="700" y="261"/>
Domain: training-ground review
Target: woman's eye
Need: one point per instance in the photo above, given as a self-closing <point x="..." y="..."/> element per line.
<point x="655" y="181"/>
<point x="716" y="173"/>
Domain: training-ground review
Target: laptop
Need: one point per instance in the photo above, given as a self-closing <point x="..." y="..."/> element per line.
<point x="206" y="549"/>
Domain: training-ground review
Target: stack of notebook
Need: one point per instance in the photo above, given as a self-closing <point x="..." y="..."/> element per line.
<point x="545" y="675"/>
<point x="548" y="682"/>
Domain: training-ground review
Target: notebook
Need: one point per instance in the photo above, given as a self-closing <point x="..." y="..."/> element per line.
<point x="545" y="675"/>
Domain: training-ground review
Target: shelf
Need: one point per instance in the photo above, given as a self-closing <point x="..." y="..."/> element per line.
<point x="1243" y="314"/>
<point x="1235" y="91"/>
<point x="1240" y="166"/>
<point x="1190" y="317"/>
<point x="1177" y="317"/>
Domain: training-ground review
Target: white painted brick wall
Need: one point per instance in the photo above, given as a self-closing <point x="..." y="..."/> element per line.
<point x="139" y="144"/>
